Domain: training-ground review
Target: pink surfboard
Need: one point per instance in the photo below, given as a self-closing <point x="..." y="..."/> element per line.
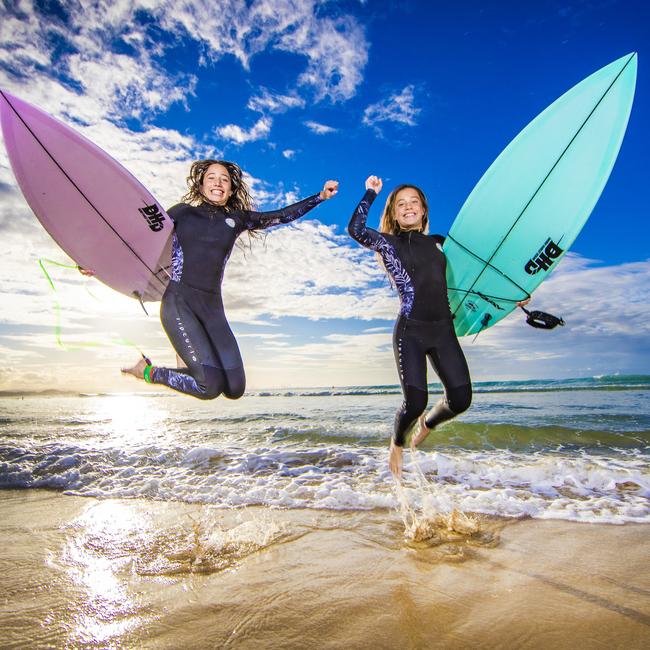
<point x="94" y="209"/>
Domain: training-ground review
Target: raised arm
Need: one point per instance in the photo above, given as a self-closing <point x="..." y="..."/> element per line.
<point x="260" y="220"/>
<point x="357" y="227"/>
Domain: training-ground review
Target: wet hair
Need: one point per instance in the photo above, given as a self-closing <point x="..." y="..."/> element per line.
<point x="240" y="199"/>
<point x="388" y="221"/>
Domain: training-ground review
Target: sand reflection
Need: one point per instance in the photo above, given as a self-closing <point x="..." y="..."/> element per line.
<point x="117" y="556"/>
<point x="98" y="560"/>
<point x="304" y="578"/>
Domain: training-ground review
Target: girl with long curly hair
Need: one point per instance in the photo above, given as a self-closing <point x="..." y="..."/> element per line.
<point x="217" y="209"/>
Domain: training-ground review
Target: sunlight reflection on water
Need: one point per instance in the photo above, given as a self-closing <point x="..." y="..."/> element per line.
<point x="98" y="562"/>
<point x="127" y="420"/>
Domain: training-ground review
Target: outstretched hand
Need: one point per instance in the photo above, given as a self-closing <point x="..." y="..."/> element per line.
<point x="329" y="190"/>
<point x="374" y="183"/>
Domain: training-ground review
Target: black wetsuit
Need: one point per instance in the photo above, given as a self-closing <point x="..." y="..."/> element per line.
<point x="192" y="311"/>
<point x="424" y="327"/>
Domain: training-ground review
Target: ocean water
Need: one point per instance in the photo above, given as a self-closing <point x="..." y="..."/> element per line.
<point x="576" y="450"/>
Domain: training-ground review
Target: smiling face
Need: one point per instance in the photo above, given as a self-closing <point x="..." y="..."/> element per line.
<point x="216" y="186"/>
<point x="406" y="210"/>
<point x="409" y="210"/>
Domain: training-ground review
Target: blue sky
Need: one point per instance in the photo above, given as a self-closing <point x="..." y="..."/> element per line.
<point x="296" y="93"/>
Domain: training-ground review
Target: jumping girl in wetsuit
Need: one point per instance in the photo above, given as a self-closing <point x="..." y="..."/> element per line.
<point x="217" y="211"/>
<point x="416" y="265"/>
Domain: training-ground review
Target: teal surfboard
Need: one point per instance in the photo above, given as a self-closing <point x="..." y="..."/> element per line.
<point x="530" y="205"/>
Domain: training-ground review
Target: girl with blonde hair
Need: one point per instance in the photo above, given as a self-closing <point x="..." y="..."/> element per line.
<point x="415" y="264"/>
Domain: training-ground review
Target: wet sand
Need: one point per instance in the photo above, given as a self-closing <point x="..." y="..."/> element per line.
<point x="79" y="572"/>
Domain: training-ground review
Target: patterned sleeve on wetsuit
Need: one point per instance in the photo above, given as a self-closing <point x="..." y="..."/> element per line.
<point x="177" y="252"/>
<point x="261" y="220"/>
<point x="357" y="227"/>
<point x="377" y="242"/>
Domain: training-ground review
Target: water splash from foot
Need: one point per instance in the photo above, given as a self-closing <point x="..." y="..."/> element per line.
<point x="423" y="525"/>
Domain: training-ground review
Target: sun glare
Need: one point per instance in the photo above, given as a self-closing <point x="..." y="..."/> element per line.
<point x="131" y="420"/>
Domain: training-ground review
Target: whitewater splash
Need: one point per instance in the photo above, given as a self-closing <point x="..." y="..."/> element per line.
<point x="427" y="525"/>
<point x="541" y="454"/>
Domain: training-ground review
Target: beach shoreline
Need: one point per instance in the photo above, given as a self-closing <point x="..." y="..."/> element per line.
<point x="84" y="572"/>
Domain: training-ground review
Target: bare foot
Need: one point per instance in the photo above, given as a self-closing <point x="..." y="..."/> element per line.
<point x="421" y="434"/>
<point x="137" y="371"/>
<point x="395" y="460"/>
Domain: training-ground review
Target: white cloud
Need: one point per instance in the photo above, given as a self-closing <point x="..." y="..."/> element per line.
<point x="268" y="102"/>
<point x="607" y="325"/>
<point x="398" y="107"/>
<point x="117" y="85"/>
<point x="268" y="194"/>
<point x="306" y="270"/>
<point x="607" y="330"/>
<point x="94" y="320"/>
<point x="309" y="271"/>
<point x="266" y="336"/>
<point x="69" y="68"/>
<point x="319" y="129"/>
<point x="236" y="134"/>
<point x="337" y="52"/>
<point x="22" y="35"/>
<point x="337" y="359"/>
<point x="81" y="49"/>
<point x="289" y="154"/>
<point x="72" y="70"/>
<point x="335" y="48"/>
<point x="133" y="87"/>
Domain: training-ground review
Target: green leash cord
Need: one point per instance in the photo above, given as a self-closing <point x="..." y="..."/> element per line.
<point x="57" y="308"/>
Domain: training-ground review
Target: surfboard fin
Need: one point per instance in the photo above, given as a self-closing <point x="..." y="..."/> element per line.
<point x="139" y="299"/>
<point x="484" y="323"/>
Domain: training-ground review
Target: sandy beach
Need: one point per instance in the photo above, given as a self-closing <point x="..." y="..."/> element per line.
<point x="80" y="572"/>
<point x="253" y="252"/>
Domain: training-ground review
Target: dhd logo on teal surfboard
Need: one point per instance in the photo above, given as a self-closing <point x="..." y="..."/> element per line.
<point x="544" y="258"/>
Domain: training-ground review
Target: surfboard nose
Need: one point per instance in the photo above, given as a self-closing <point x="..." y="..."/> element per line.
<point x="93" y="207"/>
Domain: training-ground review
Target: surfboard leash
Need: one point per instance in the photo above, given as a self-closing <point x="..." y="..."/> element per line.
<point x="57" y="309"/>
<point x="541" y="320"/>
<point x="538" y="319"/>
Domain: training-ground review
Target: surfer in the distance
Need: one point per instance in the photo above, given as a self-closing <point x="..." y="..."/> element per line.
<point x="415" y="264"/>
<point x="217" y="209"/>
